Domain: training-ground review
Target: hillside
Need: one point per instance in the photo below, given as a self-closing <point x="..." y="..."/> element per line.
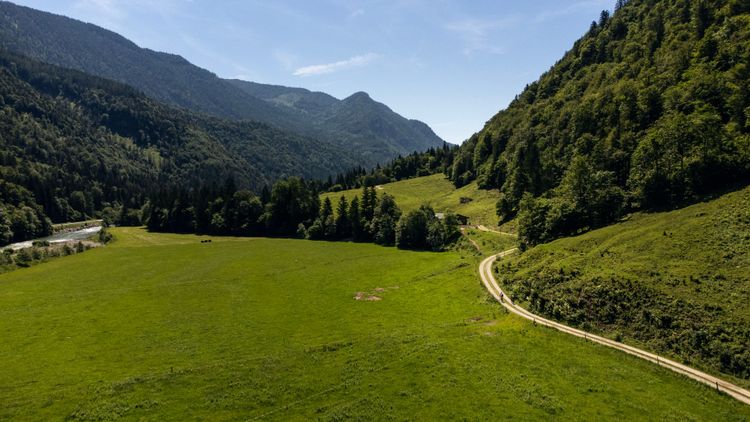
<point x="648" y="110"/>
<point x="436" y="190"/>
<point x="675" y="282"/>
<point x="372" y="133"/>
<point x="271" y="329"/>
<point x="73" y="144"/>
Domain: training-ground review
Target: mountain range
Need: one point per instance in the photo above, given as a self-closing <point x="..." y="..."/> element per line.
<point x="362" y="128"/>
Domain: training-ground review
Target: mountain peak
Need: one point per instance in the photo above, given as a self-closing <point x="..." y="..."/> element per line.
<point x="359" y="95"/>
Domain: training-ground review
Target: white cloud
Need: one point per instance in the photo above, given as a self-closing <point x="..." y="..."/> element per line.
<point x="356" y="13"/>
<point x="476" y="33"/>
<point x="322" y="69"/>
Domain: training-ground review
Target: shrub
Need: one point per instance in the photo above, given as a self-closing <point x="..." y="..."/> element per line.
<point x="23" y="258"/>
<point x="105" y="236"/>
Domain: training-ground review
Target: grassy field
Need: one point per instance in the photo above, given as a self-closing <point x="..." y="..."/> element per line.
<point x="439" y="192"/>
<point x="163" y="327"/>
<point x="675" y="282"/>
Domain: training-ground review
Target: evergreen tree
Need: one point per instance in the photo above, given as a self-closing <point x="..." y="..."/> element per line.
<point x="384" y="220"/>
<point x="367" y="209"/>
<point x="343" y="225"/>
<point x="355" y="219"/>
<point x="701" y="18"/>
<point x="369" y="202"/>
<point x="603" y="18"/>
<point x="292" y="202"/>
<point x="5" y="232"/>
<point x="326" y="210"/>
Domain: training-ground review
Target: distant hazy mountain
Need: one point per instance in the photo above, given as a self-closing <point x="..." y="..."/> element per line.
<point x="374" y="132"/>
<point x="357" y="120"/>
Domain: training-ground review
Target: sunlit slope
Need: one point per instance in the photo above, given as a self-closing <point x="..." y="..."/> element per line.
<point x="436" y="190"/>
<point x="674" y="282"/>
<point x="165" y="327"/>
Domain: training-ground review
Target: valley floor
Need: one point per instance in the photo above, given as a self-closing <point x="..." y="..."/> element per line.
<point x="159" y="326"/>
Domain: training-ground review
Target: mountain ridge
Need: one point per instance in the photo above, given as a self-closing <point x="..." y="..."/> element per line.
<point x="172" y="79"/>
<point x="340" y="116"/>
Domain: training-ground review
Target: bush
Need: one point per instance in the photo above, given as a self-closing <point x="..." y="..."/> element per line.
<point x="7" y="256"/>
<point x="412" y="230"/>
<point x="104" y="236"/>
<point x="301" y="231"/>
<point x="23" y="258"/>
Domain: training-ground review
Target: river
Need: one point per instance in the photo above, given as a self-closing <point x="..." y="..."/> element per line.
<point x="61" y="237"/>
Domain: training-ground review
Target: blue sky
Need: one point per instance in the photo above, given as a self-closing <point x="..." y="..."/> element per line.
<point x="450" y="63"/>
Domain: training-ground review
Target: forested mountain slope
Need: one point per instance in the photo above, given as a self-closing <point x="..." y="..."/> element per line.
<point x="371" y="134"/>
<point x="72" y="144"/>
<point x="648" y="110"/>
<point x="86" y="47"/>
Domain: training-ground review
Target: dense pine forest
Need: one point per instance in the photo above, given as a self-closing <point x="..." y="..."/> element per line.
<point x="649" y="110"/>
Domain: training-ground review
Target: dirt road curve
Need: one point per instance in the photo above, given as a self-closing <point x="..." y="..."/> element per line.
<point x="485" y="271"/>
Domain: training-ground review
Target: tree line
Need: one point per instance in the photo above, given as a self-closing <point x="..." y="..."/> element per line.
<point x="292" y="208"/>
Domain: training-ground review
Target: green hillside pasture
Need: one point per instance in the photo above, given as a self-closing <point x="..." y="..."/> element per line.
<point x="439" y="192"/>
<point x="674" y="282"/>
<point x="163" y="327"/>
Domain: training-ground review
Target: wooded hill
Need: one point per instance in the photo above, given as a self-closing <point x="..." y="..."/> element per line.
<point x="72" y="144"/>
<point x="358" y="126"/>
<point x="650" y="109"/>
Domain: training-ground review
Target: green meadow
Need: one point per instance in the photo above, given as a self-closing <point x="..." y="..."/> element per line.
<point x="439" y="192"/>
<point x="164" y="327"/>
